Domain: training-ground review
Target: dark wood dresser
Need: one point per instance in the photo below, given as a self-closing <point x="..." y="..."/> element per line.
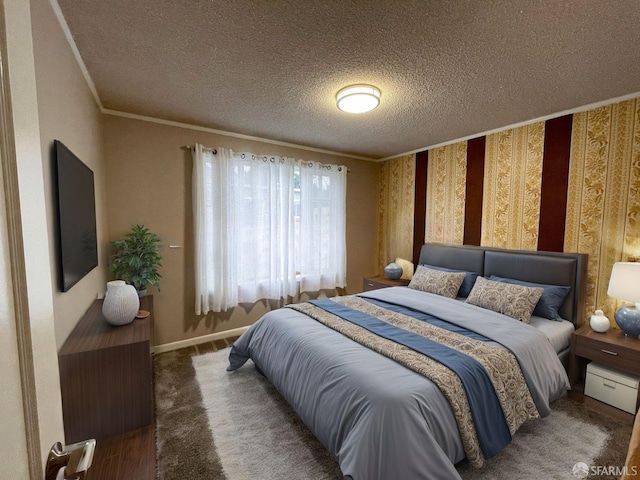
<point x="612" y="349"/>
<point x="106" y="381"/>
<point x="374" y="283"/>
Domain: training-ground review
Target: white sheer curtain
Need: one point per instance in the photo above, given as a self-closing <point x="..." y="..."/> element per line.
<point x="243" y="228"/>
<point x="321" y="256"/>
<point x="215" y="279"/>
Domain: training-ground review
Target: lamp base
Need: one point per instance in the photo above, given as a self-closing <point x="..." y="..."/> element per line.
<point x="628" y="319"/>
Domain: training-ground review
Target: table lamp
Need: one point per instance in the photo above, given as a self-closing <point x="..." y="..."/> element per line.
<point x="625" y="285"/>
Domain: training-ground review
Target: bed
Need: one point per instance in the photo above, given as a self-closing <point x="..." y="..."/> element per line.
<point x="382" y="402"/>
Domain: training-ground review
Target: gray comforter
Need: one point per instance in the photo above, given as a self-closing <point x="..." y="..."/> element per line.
<point x="379" y="419"/>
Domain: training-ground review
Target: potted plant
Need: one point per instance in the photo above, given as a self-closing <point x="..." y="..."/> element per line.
<point x="137" y="259"/>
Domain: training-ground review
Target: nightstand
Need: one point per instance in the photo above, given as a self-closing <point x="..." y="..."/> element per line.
<point x="611" y="349"/>
<point x="374" y="283"/>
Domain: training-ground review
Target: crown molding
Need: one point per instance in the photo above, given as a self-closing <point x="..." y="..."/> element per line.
<point x="199" y="128"/>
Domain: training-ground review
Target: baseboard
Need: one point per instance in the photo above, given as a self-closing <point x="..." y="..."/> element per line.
<point x="168" y="347"/>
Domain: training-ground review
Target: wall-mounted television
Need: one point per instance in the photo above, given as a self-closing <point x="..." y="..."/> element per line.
<point x="76" y="211"/>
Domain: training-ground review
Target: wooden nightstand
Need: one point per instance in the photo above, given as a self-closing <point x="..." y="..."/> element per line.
<point x="611" y="349"/>
<point x="374" y="283"/>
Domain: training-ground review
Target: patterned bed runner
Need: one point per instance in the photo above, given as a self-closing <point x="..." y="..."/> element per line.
<point x="483" y="383"/>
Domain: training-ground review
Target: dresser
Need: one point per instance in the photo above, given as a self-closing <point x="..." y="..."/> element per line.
<point x="106" y="376"/>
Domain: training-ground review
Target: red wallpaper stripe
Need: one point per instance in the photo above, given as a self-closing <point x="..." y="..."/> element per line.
<point x="420" y="205"/>
<point x="474" y="191"/>
<point x="555" y="183"/>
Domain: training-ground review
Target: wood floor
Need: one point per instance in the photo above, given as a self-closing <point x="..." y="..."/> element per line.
<point x="132" y="455"/>
<point x="129" y="455"/>
<point x="578" y="396"/>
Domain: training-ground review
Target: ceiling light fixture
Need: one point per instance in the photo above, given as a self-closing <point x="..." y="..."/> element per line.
<point x="358" y="98"/>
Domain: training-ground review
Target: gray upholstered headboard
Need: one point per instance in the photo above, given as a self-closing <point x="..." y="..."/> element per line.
<point x="541" y="267"/>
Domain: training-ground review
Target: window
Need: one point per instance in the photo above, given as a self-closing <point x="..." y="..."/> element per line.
<point x="263" y="226"/>
<point x="321" y="245"/>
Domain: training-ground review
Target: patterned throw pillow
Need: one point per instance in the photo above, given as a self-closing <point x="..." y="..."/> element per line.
<point x="467" y="284"/>
<point x="442" y="283"/>
<point x="551" y="300"/>
<point x="516" y="301"/>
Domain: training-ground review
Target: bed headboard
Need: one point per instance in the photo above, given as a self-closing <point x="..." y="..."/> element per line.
<point x="551" y="268"/>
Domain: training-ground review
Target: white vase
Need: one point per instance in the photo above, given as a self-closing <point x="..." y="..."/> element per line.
<point x="599" y="323"/>
<point x="121" y="303"/>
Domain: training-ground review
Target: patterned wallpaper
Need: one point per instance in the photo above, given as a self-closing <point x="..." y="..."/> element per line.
<point x="512" y="180"/>
<point x="603" y="207"/>
<point x="395" y="209"/>
<point x="446" y="181"/>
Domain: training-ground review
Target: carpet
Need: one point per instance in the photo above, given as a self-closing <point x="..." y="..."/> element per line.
<point x="214" y="425"/>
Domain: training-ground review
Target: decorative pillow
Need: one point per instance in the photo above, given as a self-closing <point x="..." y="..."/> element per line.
<point x="467" y="283"/>
<point x="407" y="268"/>
<point x="516" y="301"/>
<point x="550" y="301"/>
<point x="442" y="283"/>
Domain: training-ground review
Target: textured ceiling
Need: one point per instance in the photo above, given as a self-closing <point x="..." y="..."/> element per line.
<point x="271" y="69"/>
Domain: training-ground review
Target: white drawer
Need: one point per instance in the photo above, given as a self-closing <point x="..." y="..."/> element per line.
<point x="611" y="386"/>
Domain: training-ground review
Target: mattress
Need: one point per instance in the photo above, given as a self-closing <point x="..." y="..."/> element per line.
<point x="558" y="332"/>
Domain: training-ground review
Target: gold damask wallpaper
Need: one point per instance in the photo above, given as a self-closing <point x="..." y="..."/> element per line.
<point x="603" y="208"/>
<point x="512" y="183"/>
<point x="446" y="182"/>
<point x="396" y="209"/>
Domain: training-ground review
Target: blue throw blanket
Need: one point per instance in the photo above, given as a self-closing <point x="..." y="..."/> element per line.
<point x="488" y="417"/>
<point x="431" y="319"/>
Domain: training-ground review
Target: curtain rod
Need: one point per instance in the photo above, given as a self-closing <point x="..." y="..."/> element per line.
<point x="214" y="151"/>
<point x="190" y="147"/>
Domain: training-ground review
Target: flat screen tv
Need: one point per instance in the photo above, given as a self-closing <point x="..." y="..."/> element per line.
<point x="76" y="209"/>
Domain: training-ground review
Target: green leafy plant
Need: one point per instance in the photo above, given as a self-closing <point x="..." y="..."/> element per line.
<point x="137" y="258"/>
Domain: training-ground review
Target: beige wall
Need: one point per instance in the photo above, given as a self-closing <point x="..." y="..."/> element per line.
<point x="149" y="182"/>
<point x="68" y="113"/>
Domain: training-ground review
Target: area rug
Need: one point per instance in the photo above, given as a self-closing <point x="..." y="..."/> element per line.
<point x="215" y="425"/>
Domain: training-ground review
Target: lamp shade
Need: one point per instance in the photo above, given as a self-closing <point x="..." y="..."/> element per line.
<point x="625" y="281"/>
<point x="358" y="98"/>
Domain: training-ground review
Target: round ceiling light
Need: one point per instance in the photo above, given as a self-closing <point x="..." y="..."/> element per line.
<point x="358" y="98"/>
